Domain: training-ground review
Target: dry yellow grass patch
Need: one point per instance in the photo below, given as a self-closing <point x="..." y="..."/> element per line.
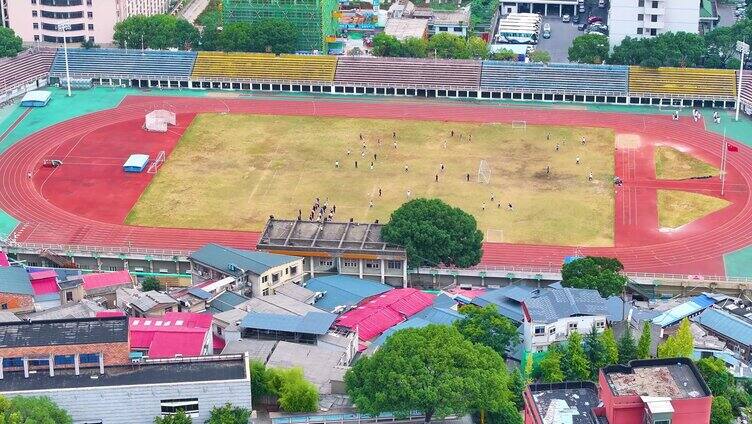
<point x="677" y="208"/>
<point x="671" y="164"/>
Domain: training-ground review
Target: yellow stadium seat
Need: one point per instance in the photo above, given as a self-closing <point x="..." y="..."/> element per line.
<point x="682" y="81"/>
<point x="260" y="66"/>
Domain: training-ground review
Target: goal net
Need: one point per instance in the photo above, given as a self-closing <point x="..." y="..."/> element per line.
<point x="158" y="120"/>
<point x="520" y="125"/>
<point x="154" y="166"/>
<point x="484" y="172"/>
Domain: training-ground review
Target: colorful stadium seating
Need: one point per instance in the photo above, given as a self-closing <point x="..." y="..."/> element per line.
<point x="28" y="66"/>
<point x="569" y="78"/>
<point x="747" y="89"/>
<point x="116" y="63"/>
<point x="409" y="72"/>
<point x="264" y="66"/>
<point x="682" y="81"/>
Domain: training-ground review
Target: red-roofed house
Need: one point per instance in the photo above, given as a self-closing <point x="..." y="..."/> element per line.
<point x="378" y="313"/>
<point x="44" y="282"/>
<point x="103" y="285"/>
<point x="175" y="334"/>
<point x="4" y="259"/>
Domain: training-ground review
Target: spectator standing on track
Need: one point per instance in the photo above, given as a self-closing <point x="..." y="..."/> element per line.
<point x="336" y="164"/>
<point x="577" y="160"/>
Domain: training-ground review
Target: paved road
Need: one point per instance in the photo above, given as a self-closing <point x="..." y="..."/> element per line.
<point x="191" y="11"/>
<point x="562" y="35"/>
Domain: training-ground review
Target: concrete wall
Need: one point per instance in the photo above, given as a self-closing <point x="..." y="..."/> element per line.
<point x="560" y="331"/>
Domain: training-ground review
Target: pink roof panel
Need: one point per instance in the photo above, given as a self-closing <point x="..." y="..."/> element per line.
<point x="169" y="345"/>
<point x="4" y="259"/>
<point x="106" y="279"/>
<point x="171" y="334"/>
<point x="379" y="313"/>
<point x="110" y="313"/>
<point x="45" y="286"/>
<point x="41" y="275"/>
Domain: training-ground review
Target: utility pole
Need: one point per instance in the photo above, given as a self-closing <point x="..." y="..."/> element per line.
<point x="63" y="28"/>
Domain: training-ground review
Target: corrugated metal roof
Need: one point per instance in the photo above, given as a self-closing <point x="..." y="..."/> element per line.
<point x="226" y="301"/>
<point x="728" y="325"/>
<point x="686" y="309"/>
<point x="199" y="293"/>
<point x="106" y="279"/>
<point x="553" y="304"/>
<point x="4" y="259"/>
<point x="344" y="290"/>
<point x="220" y="257"/>
<point x="507" y="300"/>
<point x="310" y="323"/>
<point x="15" y="280"/>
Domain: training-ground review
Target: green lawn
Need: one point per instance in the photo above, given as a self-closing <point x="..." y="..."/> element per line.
<point x="677" y="208"/>
<point x="671" y="164"/>
<point x="233" y="171"/>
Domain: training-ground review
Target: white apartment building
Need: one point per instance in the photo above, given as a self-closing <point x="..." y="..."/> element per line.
<point x="39" y="20"/>
<point x="648" y="18"/>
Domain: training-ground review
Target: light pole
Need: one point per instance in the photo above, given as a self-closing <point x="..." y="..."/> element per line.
<point x="63" y="28"/>
<point x="742" y="48"/>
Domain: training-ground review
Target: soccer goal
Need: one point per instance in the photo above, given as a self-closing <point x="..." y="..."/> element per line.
<point x="154" y="167"/>
<point x="484" y="172"/>
<point x="158" y="120"/>
<point x="520" y="125"/>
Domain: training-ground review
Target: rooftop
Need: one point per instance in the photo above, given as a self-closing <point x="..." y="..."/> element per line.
<point x="149" y="373"/>
<point x="403" y="29"/>
<point x="106" y="279"/>
<point x="175" y="333"/>
<point x="508" y="300"/>
<point x="311" y="323"/>
<point x="226" y="301"/>
<point x="234" y="261"/>
<point x="329" y="236"/>
<point x="675" y="378"/>
<point x="82" y="309"/>
<point x="15" y="280"/>
<point x="553" y="304"/>
<point x="258" y="350"/>
<point x="569" y="402"/>
<point x="144" y="301"/>
<point x="686" y="309"/>
<point x="730" y="325"/>
<point x="64" y="332"/>
<point x="277" y="304"/>
<point x="343" y="290"/>
<point x="320" y="365"/>
<point x="295" y="292"/>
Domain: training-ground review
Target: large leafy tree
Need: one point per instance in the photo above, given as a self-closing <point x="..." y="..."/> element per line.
<point x="680" y="344"/>
<point x="720" y="412"/>
<point x="595" y="272"/>
<point x="229" y="414"/>
<point x="486" y="326"/>
<point x="273" y="35"/>
<point x="434" y="370"/>
<point x="150" y="283"/>
<point x="668" y="49"/>
<point x="32" y="410"/>
<point x="549" y="369"/>
<point x="721" y="43"/>
<point x="595" y="351"/>
<point x="448" y="46"/>
<point x="435" y="233"/>
<point x="589" y="48"/>
<point x="179" y="418"/>
<point x="643" y="345"/>
<point x="477" y="48"/>
<point x="610" y="347"/>
<point x="540" y="56"/>
<point x="415" y="47"/>
<point x="294" y="392"/>
<point x="716" y="376"/>
<point x="387" y="46"/>
<point x="516" y="387"/>
<point x="236" y="37"/>
<point x="575" y="363"/>
<point x="10" y="43"/>
<point x="627" y="346"/>
<point x="156" y="32"/>
<point x="259" y="381"/>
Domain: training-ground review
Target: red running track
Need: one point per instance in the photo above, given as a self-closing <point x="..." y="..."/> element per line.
<point x="697" y="248"/>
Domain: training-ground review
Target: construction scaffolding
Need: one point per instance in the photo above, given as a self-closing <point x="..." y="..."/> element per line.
<point x="314" y="18"/>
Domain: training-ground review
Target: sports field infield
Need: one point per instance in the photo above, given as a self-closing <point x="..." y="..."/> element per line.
<point x="231" y="171"/>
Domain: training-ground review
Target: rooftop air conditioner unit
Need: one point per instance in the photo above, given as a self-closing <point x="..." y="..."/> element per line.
<point x="232" y="267"/>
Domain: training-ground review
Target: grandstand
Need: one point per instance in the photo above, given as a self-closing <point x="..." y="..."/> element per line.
<point x="258" y="66"/>
<point x="124" y="64"/>
<point x="27" y="71"/>
<point x="424" y="73"/>
<point x="682" y="82"/>
<point x="747" y="92"/>
<point x="561" y="78"/>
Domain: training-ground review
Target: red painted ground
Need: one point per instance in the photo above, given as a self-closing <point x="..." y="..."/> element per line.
<point x="50" y="215"/>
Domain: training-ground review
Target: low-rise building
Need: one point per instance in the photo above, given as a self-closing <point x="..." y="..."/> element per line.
<point x="256" y="273"/>
<point x="402" y="29"/>
<point x="145" y="304"/>
<point x="102" y="286"/>
<point x="568" y="402"/>
<point x="339" y="293"/>
<point x="348" y="248"/>
<point x="16" y="292"/>
<point x="176" y="334"/>
<point x="128" y="394"/>
<point x="734" y="329"/>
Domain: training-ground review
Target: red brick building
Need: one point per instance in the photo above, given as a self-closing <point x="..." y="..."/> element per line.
<point x="654" y="391"/>
<point x="16" y="292"/>
<point x="69" y="343"/>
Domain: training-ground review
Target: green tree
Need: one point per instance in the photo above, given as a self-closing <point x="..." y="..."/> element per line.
<point x="627" y="346"/>
<point x="10" y="43"/>
<point x="435" y="233"/>
<point x="477" y="48"/>
<point x="509" y="413"/>
<point x="236" y="37"/>
<point x="434" y="370"/>
<point x="32" y="410"/>
<point x="596" y="273"/>
<point x="229" y="414"/>
<point x="516" y="387"/>
<point x="540" y="56"/>
<point x="589" y="48"/>
<point x="680" y="344"/>
<point x="186" y="36"/>
<point x="504" y="54"/>
<point x="549" y="368"/>
<point x="610" y="347"/>
<point x="448" y="46"/>
<point x="295" y="393"/>
<point x="643" y="346"/>
<point x="273" y="35"/>
<point x="574" y="363"/>
<point x="528" y="368"/>
<point x="415" y="47"/>
<point x="595" y="351"/>
<point x="720" y="412"/>
<point x="486" y="326"/>
<point x="386" y="46"/>
<point x="721" y="43"/>
<point x="667" y="49"/>
<point x="179" y="418"/>
<point x="88" y="44"/>
<point x="716" y="375"/>
<point x="739" y="399"/>
<point x="150" y="283"/>
<point x="155" y="32"/>
<point x="259" y="381"/>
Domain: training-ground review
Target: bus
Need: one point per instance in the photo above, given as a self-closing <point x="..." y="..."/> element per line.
<point x="517" y="35"/>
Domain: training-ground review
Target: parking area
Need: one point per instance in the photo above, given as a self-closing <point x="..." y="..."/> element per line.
<point x="562" y="34"/>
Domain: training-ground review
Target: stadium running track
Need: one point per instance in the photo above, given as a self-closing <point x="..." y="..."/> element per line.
<point x="696" y="248"/>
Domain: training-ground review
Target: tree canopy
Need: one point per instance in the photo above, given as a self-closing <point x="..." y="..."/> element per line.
<point x="595" y="351"/>
<point x="680" y="344"/>
<point x="294" y="392"/>
<point x="442" y="45"/>
<point x="178" y="418"/>
<point x="595" y="272"/>
<point x="156" y="32"/>
<point x="229" y="414"/>
<point x="574" y="362"/>
<point x="721" y="411"/>
<point x="10" y="43"/>
<point x="549" y="369"/>
<point x="434" y="370"/>
<point x="610" y="347"/>
<point x="150" y="283"/>
<point x="486" y="326"/>
<point x="643" y="345"/>
<point x="540" y="56"/>
<point x="589" y="48"/>
<point x="435" y="233"/>
<point x="627" y="346"/>
<point x="32" y="410"/>
<point x="716" y="376"/>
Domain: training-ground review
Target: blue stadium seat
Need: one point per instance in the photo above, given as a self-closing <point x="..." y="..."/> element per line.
<point x="117" y="63"/>
<point x="563" y="78"/>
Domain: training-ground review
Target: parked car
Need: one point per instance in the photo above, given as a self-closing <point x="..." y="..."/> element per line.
<point x="601" y="3"/>
<point x="582" y="8"/>
<point x="581" y="27"/>
<point x="740" y="12"/>
<point x="594" y="19"/>
<point x="576" y="19"/>
<point x="566" y="18"/>
<point x="546" y="30"/>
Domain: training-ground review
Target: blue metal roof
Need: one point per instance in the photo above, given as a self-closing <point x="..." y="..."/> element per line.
<point x="432" y="315"/>
<point x="310" y="323"/>
<point x="507" y="300"/>
<point x="343" y="290"/>
<point x="15" y="280"/>
<point x="686" y="309"/>
<point x="726" y="324"/>
<point x="199" y="293"/>
<point x="226" y="301"/>
<point x="221" y="257"/>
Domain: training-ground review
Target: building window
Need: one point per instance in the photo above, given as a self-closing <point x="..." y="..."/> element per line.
<point x="350" y="264"/>
<point x="33" y="13"/>
<point x="373" y="264"/>
<point x="33" y="1"/>
<point x="639" y="31"/>
<point x="89" y="358"/>
<point x="662" y="422"/>
<point x="265" y="278"/>
<point x="640" y="3"/>
<point x="293" y="270"/>
<point x="653" y="18"/>
<point x="64" y="360"/>
<point x="88" y="2"/>
<point x="640" y="17"/>
<point x="653" y="32"/>
<point x="69" y="296"/>
<point x="4" y="306"/>
<point x="173" y="406"/>
<point x="89" y="15"/>
<point x="275" y="278"/>
<point x="12" y="362"/>
<point x="457" y="29"/>
<point x="572" y="326"/>
<point x="655" y="5"/>
<point x="325" y="262"/>
<point x="552" y="330"/>
<point x="287" y="271"/>
<point x="265" y="292"/>
<point x="443" y="29"/>
<point x="394" y="264"/>
<point x="600" y="324"/>
<point x="539" y="330"/>
<point x="41" y="362"/>
<point x="36" y="38"/>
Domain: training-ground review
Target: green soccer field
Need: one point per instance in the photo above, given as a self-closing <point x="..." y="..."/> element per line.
<point x="233" y="171"/>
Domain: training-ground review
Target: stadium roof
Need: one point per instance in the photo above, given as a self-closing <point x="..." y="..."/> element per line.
<point x="686" y="309"/>
<point x="15" y="280"/>
<point x="327" y="236"/>
<point x="343" y="290"/>
<point x="311" y="323"/>
<point x="553" y="304"/>
<point x="64" y="332"/>
<point x="729" y="325"/>
<point x="224" y="258"/>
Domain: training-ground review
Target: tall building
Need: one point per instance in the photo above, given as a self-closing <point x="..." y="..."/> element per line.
<point x="314" y="18"/>
<point x="648" y="18"/>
